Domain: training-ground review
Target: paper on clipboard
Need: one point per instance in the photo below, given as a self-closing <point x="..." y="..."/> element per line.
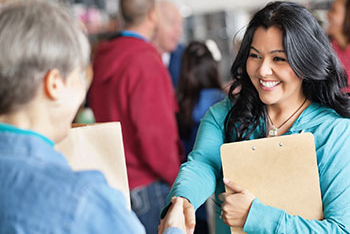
<point x="281" y="171"/>
<point x="98" y="147"/>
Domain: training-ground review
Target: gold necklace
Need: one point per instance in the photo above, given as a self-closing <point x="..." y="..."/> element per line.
<point x="273" y="131"/>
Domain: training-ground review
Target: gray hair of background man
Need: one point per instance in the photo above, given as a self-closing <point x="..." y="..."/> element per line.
<point x="135" y="11"/>
<point x="36" y="37"/>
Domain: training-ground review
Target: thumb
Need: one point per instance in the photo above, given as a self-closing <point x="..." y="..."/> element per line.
<point x="233" y="186"/>
<point x="190" y="217"/>
<point x="177" y="206"/>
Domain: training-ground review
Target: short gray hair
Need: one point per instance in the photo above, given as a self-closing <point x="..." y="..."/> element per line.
<point x="35" y="37"/>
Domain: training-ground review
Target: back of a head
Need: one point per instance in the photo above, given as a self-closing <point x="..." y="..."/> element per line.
<point x="134" y="12"/>
<point x="36" y="37"/>
<point x="199" y="70"/>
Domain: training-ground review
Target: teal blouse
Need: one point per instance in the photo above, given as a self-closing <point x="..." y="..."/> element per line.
<point x="202" y="176"/>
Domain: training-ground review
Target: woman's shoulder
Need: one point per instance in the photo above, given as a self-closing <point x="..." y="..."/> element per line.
<point x="324" y="119"/>
<point x="222" y="107"/>
<point x="219" y="111"/>
<point x="330" y="115"/>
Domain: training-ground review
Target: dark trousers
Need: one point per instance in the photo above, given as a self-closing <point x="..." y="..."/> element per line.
<point x="147" y="202"/>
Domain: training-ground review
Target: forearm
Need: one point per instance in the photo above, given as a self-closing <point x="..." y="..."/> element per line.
<point x="198" y="177"/>
<point x="195" y="182"/>
<point x="278" y="221"/>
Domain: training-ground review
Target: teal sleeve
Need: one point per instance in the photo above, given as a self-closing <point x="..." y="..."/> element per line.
<point x="198" y="177"/>
<point x="333" y="155"/>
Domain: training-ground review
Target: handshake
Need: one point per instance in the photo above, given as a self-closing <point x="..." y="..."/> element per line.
<point x="181" y="214"/>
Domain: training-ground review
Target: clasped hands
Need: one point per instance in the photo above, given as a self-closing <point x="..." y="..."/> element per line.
<point x="235" y="209"/>
<point x="181" y="214"/>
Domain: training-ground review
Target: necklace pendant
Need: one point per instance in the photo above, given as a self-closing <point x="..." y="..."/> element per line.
<point x="273" y="132"/>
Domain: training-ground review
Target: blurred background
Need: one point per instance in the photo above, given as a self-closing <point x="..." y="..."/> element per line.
<point x="223" y="21"/>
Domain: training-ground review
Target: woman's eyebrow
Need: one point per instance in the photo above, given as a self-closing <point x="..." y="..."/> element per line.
<point x="253" y="48"/>
<point x="278" y="51"/>
<point x="272" y="52"/>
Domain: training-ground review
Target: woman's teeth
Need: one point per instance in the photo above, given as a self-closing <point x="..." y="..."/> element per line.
<point x="269" y="84"/>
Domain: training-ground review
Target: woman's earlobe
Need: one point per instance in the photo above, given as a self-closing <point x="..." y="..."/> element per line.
<point x="53" y="84"/>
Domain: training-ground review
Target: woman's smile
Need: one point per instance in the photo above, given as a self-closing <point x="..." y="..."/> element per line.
<point x="268" y="84"/>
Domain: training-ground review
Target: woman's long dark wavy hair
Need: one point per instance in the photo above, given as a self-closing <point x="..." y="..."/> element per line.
<point x="310" y="56"/>
<point x="199" y="71"/>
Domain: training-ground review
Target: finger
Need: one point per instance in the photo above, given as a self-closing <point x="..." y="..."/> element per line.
<point x="175" y="216"/>
<point x="161" y="226"/>
<point x="222" y="196"/>
<point x="177" y="205"/>
<point x="190" y="219"/>
<point x="233" y="186"/>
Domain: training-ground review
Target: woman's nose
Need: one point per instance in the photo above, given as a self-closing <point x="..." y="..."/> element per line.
<point x="265" y="68"/>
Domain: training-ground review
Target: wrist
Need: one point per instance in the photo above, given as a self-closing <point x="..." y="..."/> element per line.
<point x="186" y="201"/>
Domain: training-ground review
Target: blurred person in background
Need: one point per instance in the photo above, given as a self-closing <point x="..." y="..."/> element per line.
<point x="339" y="32"/>
<point x="167" y="37"/>
<point x="131" y="85"/>
<point x="199" y="88"/>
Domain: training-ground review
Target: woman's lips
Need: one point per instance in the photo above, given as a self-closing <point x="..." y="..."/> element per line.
<point x="268" y="84"/>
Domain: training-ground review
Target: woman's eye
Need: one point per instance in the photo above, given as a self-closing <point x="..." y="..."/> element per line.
<point x="252" y="55"/>
<point x="278" y="59"/>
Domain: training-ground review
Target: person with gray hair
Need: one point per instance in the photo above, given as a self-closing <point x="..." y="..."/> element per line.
<point x="131" y="85"/>
<point x="44" y="53"/>
<point x="167" y="37"/>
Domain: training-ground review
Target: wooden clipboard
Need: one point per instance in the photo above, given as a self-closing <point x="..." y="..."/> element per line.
<point x="281" y="171"/>
<point x="98" y="147"/>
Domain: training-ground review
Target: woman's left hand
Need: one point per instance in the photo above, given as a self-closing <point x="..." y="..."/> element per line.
<point x="236" y="205"/>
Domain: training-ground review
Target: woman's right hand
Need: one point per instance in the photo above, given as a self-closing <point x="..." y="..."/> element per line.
<point x="176" y="216"/>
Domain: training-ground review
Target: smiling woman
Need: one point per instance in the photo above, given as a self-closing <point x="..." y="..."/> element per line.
<point x="277" y="85"/>
<point x="290" y="82"/>
<point x="287" y="51"/>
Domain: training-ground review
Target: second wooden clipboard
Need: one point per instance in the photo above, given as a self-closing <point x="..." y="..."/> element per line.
<point x="281" y="171"/>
